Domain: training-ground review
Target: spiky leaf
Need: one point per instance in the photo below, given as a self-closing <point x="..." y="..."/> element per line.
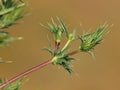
<point x="10" y="12"/>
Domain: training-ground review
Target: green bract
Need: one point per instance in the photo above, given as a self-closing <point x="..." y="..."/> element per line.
<point x="62" y="58"/>
<point x="58" y="29"/>
<point x="89" y="41"/>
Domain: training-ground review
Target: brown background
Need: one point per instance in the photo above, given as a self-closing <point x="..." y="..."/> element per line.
<point x="102" y="74"/>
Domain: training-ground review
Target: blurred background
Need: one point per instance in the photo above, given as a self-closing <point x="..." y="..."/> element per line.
<point x="102" y="74"/>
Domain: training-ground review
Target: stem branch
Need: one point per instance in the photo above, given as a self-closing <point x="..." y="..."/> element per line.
<point x="73" y="52"/>
<point x="68" y="42"/>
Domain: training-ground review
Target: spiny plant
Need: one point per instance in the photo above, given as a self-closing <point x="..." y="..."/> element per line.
<point x="12" y="10"/>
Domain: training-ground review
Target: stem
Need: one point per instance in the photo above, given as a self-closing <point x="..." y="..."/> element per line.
<point x="57" y="45"/>
<point x="25" y="73"/>
<point x="68" y="42"/>
<point x="73" y="52"/>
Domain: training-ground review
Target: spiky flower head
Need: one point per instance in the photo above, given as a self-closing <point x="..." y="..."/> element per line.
<point x="57" y="29"/>
<point x="90" y="40"/>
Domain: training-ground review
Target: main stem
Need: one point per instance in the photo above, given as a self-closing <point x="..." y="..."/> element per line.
<point x="25" y="73"/>
<point x="33" y="69"/>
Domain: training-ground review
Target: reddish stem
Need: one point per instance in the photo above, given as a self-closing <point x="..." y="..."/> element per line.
<point x="73" y="52"/>
<point x="32" y="70"/>
<point x="25" y="73"/>
<point x="57" y="44"/>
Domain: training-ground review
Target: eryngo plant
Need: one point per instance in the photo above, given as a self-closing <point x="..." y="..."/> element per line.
<point x="61" y="55"/>
<point x="12" y="10"/>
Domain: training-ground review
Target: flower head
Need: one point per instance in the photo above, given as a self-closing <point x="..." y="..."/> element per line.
<point x="89" y="41"/>
<point x="57" y="29"/>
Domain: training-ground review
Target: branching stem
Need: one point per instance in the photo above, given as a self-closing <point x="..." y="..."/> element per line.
<point x="40" y="66"/>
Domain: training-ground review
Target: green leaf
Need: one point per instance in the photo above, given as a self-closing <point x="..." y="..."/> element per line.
<point x="63" y="27"/>
<point x="63" y="60"/>
<point x="0" y="81"/>
<point x="10" y="19"/>
<point x="14" y="86"/>
<point x="7" y="3"/>
<point x="12" y="7"/>
<point x="10" y="12"/>
<point x="5" y="39"/>
<point x="72" y="35"/>
<point x="92" y="54"/>
<point x="57" y="29"/>
<point x="49" y="50"/>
